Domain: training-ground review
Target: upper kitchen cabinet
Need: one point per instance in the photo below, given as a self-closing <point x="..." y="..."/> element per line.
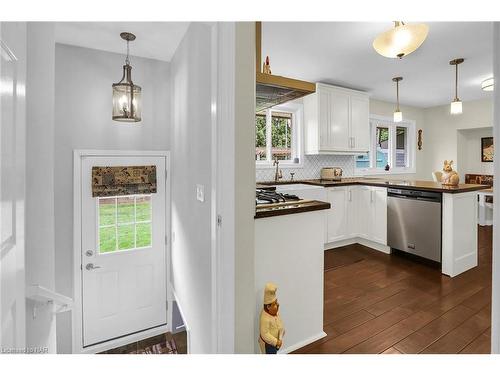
<point x="336" y="121"/>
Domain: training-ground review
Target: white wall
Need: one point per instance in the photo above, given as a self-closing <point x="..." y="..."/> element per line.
<point x="469" y="152"/>
<point x="192" y="165"/>
<point x="83" y="79"/>
<point x="440" y="137"/>
<point x="40" y="241"/>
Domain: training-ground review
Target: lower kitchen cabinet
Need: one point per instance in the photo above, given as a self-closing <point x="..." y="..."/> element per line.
<point x="337" y="216"/>
<point x="357" y="211"/>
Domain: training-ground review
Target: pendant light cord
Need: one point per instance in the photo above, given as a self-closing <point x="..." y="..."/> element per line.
<point x="456" y="82"/>
<point x="397" y="94"/>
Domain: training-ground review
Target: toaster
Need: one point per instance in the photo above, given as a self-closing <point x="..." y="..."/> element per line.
<point x="331" y="173"/>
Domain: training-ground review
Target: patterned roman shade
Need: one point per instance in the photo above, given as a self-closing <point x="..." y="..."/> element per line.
<point x="113" y="181"/>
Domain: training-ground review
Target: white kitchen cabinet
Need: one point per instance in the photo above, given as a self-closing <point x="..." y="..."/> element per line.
<point x="337" y="215"/>
<point x="336" y="120"/>
<point x="357" y="211"/>
<point x="378" y="215"/>
<point x="359" y="205"/>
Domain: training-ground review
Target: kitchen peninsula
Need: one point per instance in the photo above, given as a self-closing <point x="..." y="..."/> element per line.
<point x="359" y="215"/>
<point x="289" y="239"/>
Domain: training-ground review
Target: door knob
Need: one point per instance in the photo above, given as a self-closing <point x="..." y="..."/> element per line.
<point x="90" y="266"/>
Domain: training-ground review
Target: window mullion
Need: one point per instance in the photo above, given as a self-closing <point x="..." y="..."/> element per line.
<point x="392" y="146"/>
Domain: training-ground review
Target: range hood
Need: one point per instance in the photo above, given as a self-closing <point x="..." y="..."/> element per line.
<point x="272" y="90"/>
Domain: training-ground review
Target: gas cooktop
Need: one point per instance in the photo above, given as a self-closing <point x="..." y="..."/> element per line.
<point x="269" y="197"/>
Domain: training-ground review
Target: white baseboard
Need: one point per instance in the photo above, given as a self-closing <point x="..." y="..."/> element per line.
<point x="303" y="343"/>
<point x="362" y="241"/>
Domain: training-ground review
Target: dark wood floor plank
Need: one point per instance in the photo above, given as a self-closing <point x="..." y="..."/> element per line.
<point x="424" y="337"/>
<point x="361" y="333"/>
<point x="480" y="345"/>
<point x="392" y="351"/>
<point x="458" y="338"/>
<point x="380" y="303"/>
<point x="387" y="338"/>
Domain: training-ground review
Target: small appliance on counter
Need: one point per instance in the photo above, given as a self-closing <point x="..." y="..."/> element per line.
<point x="331" y="173"/>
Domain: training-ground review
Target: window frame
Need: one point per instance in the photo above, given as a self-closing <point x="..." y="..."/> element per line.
<point x="388" y="122"/>
<point x="297" y="150"/>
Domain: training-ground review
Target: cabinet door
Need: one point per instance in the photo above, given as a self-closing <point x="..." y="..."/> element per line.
<point x="360" y="124"/>
<point x="337" y="214"/>
<point x="324" y="99"/>
<point x="378" y="215"/>
<point x="358" y="211"/>
<point x="339" y="122"/>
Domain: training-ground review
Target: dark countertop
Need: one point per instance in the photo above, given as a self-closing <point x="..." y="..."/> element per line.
<point x="398" y="184"/>
<point x="289" y="208"/>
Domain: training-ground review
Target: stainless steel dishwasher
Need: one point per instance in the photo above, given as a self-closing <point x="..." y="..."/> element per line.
<point x="414" y="222"/>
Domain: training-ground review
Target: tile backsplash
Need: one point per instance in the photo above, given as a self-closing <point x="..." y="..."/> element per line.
<point x="311" y="167"/>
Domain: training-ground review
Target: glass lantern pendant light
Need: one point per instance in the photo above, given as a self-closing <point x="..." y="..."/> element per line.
<point x="456" y="104"/>
<point x="398" y="115"/>
<point x="400" y="40"/>
<point x="126" y="95"/>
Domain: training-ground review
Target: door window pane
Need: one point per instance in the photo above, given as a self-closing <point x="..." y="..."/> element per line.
<point x="124" y="223"/>
<point x="401" y="147"/>
<point x="382" y="146"/>
<point x="126" y="237"/>
<point x="143" y="209"/>
<point x="260" y="137"/>
<point x="125" y="207"/>
<point x="143" y="233"/>
<point x="107" y="211"/>
<point x="107" y="239"/>
<point x="281" y="135"/>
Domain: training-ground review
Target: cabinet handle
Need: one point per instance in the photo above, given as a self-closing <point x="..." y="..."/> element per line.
<point x="371" y="196"/>
<point x="353" y="142"/>
<point x="350" y="195"/>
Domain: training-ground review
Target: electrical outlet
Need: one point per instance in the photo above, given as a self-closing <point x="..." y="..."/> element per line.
<point x="200" y="193"/>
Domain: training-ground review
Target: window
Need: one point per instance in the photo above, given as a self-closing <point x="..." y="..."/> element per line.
<point x="391" y="148"/>
<point x="124" y="223"/>
<point x="277" y="136"/>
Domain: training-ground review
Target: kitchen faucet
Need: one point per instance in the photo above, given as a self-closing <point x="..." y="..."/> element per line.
<point x="278" y="174"/>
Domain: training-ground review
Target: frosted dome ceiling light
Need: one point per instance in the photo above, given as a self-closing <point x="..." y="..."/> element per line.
<point x="401" y="40"/>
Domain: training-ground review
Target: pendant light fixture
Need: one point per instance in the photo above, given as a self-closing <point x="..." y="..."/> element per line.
<point x="401" y="40"/>
<point x="488" y="84"/>
<point x="398" y="115"/>
<point x="456" y="104"/>
<point x="126" y="95"/>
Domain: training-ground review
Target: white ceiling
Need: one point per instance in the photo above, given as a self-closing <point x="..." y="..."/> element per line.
<point x="341" y="53"/>
<point x="155" y="40"/>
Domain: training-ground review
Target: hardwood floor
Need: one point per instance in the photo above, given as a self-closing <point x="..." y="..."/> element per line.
<point x="376" y="303"/>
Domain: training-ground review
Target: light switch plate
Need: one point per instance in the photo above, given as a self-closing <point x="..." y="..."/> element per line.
<point x="200" y="193"/>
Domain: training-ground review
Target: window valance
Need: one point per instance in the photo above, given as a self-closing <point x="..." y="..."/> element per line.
<point x="115" y="181"/>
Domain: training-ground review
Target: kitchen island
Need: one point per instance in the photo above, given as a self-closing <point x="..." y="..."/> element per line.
<point x="289" y="239"/>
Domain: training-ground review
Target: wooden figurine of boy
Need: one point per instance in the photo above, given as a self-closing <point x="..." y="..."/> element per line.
<point x="271" y="326"/>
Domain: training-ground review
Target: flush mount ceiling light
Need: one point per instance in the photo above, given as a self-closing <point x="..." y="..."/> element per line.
<point x="488" y="84"/>
<point x="456" y="104"/>
<point x="398" y="115"/>
<point x="401" y="40"/>
<point x="126" y="95"/>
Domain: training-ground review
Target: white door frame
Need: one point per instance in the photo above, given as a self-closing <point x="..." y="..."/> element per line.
<point x="77" y="318"/>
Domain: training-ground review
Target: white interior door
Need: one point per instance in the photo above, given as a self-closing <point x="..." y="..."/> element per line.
<point x="12" y="180"/>
<point x="123" y="255"/>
